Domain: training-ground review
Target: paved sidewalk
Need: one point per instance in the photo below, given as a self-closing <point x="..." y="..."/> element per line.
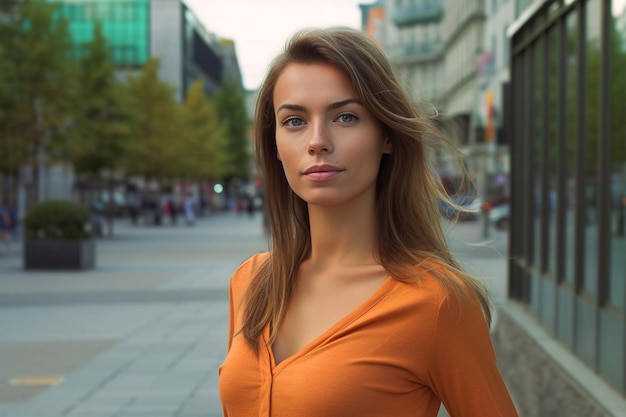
<point x="144" y="332"/>
<point x="140" y="335"/>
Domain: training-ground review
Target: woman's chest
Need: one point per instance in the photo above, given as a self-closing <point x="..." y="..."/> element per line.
<point x="363" y="369"/>
<point x="316" y="310"/>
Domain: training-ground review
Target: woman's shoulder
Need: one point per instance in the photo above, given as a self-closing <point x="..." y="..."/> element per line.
<point x="436" y="283"/>
<point x="458" y="298"/>
<point x="244" y="272"/>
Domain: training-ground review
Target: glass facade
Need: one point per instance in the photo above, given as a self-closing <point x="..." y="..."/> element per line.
<point x="138" y="30"/>
<point x="617" y="146"/>
<point x="124" y="23"/>
<point x="568" y="164"/>
<point x="201" y="58"/>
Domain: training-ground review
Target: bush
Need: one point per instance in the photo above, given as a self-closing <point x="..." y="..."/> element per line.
<point x="57" y="219"/>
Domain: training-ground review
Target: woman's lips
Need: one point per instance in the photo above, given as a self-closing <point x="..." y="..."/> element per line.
<point x="322" y="172"/>
<point x="322" y="175"/>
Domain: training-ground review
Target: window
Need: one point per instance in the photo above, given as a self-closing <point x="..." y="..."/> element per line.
<point x="538" y="139"/>
<point x="552" y="141"/>
<point x="617" y="265"/>
<point x="592" y="143"/>
<point x="571" y="103"/>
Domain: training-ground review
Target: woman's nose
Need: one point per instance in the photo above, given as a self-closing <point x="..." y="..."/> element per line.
<point x="320" y="141"/>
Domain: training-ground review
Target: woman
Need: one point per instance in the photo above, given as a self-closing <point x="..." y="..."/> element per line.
<point x="359" y="309"/>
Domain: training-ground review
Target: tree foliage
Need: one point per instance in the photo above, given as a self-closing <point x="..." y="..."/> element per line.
<point x="13" y="148"/>
<point x="104" y="116"/>
<point x="230" y="106"/>
<point x="60" y="106"/>
<point x="37" y="85"/>
<point x="205" y="154"/>
<point x="156" y="150"/>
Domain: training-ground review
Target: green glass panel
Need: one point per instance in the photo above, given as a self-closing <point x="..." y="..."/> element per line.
<point x="124" y="25"/>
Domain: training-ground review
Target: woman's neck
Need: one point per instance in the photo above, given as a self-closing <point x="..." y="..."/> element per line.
<point x="342" y="235"/>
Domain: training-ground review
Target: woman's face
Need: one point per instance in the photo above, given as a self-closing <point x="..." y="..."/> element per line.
<point x="330" y="145"/>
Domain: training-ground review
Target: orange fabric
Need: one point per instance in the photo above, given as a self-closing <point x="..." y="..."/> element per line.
<point x="401" y="353"/>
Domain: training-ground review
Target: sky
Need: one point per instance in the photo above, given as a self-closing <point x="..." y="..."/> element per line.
<point x="260" y="28"/>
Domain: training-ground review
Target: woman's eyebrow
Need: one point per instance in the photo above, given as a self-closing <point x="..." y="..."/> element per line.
<point x="331" y="106"/>
<point x="342" y="103"/>
<point x="288" y="106"/>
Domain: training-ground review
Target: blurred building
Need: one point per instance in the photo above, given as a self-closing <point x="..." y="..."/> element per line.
<point x="415" y="45"/>
<point x="493" y="71"/>
<point x="567" y="268"/>
<point x="414" y="42"/>
<point x="373" y="20"/>
<point x="463" y="26"/>
<point x="230" y="62"/>
<point x="137" y="30"/>
<point x="452" y="57"/>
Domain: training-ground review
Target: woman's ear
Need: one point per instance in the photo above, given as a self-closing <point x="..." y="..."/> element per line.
<point x="387" y="146"/>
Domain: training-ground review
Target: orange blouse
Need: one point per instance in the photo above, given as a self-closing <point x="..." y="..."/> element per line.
<point x="403" y="352"/>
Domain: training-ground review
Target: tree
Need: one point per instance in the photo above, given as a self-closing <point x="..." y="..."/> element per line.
<point x="13" y="150"/>
<point x="154" y="154"/>
<point x="230" y="106"/>
<point x="205" y="156"/>
<point x="37" y="85"/>
<point x="104" y="120"/>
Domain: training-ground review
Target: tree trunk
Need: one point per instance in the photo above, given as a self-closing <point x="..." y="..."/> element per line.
<point x="111" y="207"/>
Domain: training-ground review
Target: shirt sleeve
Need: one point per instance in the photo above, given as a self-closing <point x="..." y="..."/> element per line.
<point x="463" y="371"/>
<point x="237" y="287"/>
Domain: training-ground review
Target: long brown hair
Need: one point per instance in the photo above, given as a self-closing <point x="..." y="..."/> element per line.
<point x="409" y="229"/>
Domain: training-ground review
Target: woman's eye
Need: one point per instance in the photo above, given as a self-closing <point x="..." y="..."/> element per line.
<point x="293" y="122"/>
<point x="346" y="118"/>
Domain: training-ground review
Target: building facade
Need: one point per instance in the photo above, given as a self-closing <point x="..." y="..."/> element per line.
<point x="464" y="26"/>
<point x="138" y="30"/>
<point x="414" y="42"/>
<point x="493" y="72"/>
<point x="567" y="267"/>
<point x="373" y="20"/>
<point x="452" y="57"/>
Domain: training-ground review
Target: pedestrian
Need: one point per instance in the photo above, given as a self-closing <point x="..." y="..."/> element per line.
<point x="134" y="204"/>
<point x="190" y="215"/>
<point x="250" y="205"/>
<point x="359" y="308"/>
<point x="239" y="205"/>
<point x="6" y="225"/>
<point x="173" y="206"/>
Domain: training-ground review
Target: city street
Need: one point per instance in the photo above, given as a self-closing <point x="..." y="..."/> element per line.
<point x="143" y="333"/>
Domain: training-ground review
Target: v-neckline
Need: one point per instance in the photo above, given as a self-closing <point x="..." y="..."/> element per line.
<point x="361" y="309"/>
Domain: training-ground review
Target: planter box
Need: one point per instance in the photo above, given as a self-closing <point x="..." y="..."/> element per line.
<point x="59" y="254"/>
